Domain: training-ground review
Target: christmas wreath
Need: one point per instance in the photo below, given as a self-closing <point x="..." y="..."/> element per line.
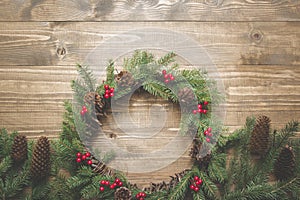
<point x="253" y="162"/>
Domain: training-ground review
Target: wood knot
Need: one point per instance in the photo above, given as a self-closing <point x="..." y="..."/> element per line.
<point x="214" y="3"/>
<point x="61" y="52"/>
<point x="256" y="35"/>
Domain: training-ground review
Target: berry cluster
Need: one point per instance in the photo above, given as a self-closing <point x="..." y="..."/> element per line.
<point x="83" y="110"/>
<point x="208" y="134"/>
<point x="196" y="183"/>
<point x="106" y="183"/>
<point x="201" y="108"/>
<point x="140" y="196"/>
<point x="109" y="92"/>
<point x="84" y="157"/>
<point x="168" y="77"/>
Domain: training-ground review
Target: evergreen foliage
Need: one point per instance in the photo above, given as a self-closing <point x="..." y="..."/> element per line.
<point x="230" y="173"/>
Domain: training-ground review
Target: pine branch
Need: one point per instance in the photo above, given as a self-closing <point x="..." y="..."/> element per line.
<point x="209" y="188"/>
<point x="167" y="59"/>
<point x="110" y="76"/>
<point x="288" y="131"/>
<point x="180" y="189"/>
<point x="68" y="128"/>
<point x="158" y="89"/>
<point x="5" y="165"/>
<point x="87" y="77"/>
<point x="217" y="168"/>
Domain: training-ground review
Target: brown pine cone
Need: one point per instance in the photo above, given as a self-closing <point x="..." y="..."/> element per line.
<point x="125" y="79"/>
<point x="259" y="140"/>
<point x="284" y="167"/>
<point x="40" y="163"/>
<point x="123" y="193"/>
<point x="19" y="148"/>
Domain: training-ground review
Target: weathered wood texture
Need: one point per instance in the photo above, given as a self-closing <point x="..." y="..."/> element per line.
<point x="150" y="10"/>
<point x="65" y="43"/>
<point x="254" y="44"/>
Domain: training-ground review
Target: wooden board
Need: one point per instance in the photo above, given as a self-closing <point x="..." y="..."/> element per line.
<point x="150" y="10"/>
<point x="67" y="43"/>
<point x="255" y="45"/>
<point x="32" y="97"/>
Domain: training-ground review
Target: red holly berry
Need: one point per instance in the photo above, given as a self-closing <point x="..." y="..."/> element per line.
<point x="209" y="129"/>
<point x="103" y="182"/>
<point x="106" y="87"/>
<point x="84" y="108"/>
<point x="167" y="81"/>
<point x="205" y="103"/>
<point x="206" y="132"/>
<point x="78" y="160"/>
<point x="82" y="112"/>
<point x="89" y="162"/>
<point x="87" y="154"/>
<point x="209" y="134"/>
<point x="111" y="94"/>
<point x="199" y="106"/>
<point x="164" y="72"/>
<point x="112" y="186"/>
<point x="166" y="76"/>
<point x="83" y="157"/>
<point x="107" y="91"/>
<point x="101" y="189"/>
<point x="200" y="110"/>
<point x="199" y="182"/>
<point x="195" y="111"/>
<point x="141" y="198"/>
<point x="107" y="183"/>
<point x="196" y="178"/>
<point x="192" y="187"/>
<point x="196" y="189"/>
<point x="204" y="111"/>
<point x="207" y="140"/>
<point x="112" y="89"/>
<point x="137" y="195"/>
<point x="106" y="96"/>
<point x="78" y="155"/>
<point x="143" y="194"/>
<point x="172" y="78"/>
<point x="117" y="180"/>
<point x="120" y="184"/>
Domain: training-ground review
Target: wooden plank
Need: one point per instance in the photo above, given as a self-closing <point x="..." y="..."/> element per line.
<point x="160" y="10"/>
<point x="31" y="97"/>
<point x="67" y="43"/>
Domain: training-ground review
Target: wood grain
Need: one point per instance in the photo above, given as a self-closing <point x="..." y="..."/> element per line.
<point x="67" y="43"/>
<point x="32" y="97"/>
<point x="150" y="10"/>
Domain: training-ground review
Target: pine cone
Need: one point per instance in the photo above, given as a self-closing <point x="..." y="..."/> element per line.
<point x="186" y="96"/>
<point x="123" y="193"/>
<point x="124" y="79"/>
<point x="285" y="164"/>
<point x="259" y="141"/>
<point x="95" y="99"/>
<point x="40" y="163"/>
<point x="200" y="153"/>
<point x="19" y="148"/>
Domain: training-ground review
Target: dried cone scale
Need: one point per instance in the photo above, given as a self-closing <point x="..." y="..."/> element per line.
<point x="124" y="79"/>
<point x="200" y="153"/>
<point x="93" y="98"/>
<point x="123" y="193"/>
<point x="285" y="164"/>
<point x="186" y="95"/>
<point x="40" y="164"/>
<point x="259" y="140"/>
<point x="19" y="148"/>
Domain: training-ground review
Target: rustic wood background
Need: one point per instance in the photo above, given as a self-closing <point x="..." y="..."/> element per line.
<point x="255" y="45"/>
